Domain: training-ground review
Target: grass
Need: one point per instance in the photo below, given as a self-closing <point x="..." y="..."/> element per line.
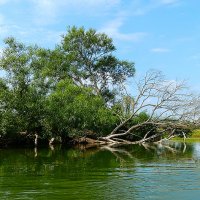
<point x="196" y="133"/>
<point x="194" y="137"/>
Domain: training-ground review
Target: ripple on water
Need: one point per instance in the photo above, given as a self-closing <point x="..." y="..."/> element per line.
<point x="99" y="175"/>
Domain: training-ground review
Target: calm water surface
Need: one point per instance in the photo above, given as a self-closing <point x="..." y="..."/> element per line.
<point x="129" y="172"/>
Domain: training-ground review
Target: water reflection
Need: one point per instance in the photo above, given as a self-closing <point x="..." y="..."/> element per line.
<point x="156" y="171"/>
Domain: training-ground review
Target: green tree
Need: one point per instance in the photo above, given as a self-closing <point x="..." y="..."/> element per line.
<point x="63" y="90"/>
<point x="23" y="92"/>
<point x="75" y="109"/>
<point x="92" y="61"/>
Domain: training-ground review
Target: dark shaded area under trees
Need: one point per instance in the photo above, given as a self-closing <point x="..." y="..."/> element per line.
<point x="78" y="90"/>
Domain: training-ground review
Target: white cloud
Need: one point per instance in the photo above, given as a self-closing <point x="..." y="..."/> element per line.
<point x="169" y="1"/>
<point x="94" y="3"/>
<point x="4" y="31"/>
<point x="2" y="19"/>
<point x="195" y="58"/>
<point x="1" y="52"/>
<point x="112" y="29"/>
<point x="46" y="11"/>
<point x="31" y="35"/>
<point x="160" y="50"/>
<point x="140" y="8"/>
<point x="3" y="2"/>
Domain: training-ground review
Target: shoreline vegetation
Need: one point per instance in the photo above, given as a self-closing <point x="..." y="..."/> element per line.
<point x="87" y="142"/>
<point x="78" y="92"/>
<point x="193" y="137"/>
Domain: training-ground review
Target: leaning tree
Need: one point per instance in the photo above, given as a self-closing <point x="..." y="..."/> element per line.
<point x="169" y="108"/>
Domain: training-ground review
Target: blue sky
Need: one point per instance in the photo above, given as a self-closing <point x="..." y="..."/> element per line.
<point x="158" y="34"/>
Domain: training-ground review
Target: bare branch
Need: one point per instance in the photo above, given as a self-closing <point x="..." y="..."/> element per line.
<point x="167" y="104"/>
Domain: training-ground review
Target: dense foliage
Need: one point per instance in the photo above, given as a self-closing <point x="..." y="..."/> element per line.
<point x="69" y="90"/>
<point x="79" y="89"/>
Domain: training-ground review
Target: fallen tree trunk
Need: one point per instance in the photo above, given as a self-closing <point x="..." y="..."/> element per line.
<point x="168" y="107"/>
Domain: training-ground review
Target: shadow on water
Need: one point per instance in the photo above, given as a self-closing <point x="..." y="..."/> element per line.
<point x="107" y="172"/>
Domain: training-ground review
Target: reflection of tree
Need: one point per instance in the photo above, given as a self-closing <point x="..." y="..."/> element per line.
<point x="58" y="159"/>
<point x="92" y="170"/>
<point x="152" y="152"/>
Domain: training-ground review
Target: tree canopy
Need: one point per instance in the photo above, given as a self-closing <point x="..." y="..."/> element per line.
<point x="92" y="61"/>
<point x="63" y="90"/>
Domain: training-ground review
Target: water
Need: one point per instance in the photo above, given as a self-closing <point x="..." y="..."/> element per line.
<point x="127" y="172"/>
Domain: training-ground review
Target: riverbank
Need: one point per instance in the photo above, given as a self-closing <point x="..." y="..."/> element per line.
<point x="194" y="137"/>
<point x="29" y="141"/>
<point x="21" y="140"/>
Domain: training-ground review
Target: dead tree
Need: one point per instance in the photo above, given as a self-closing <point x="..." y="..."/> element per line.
<point x="168" y="104"/>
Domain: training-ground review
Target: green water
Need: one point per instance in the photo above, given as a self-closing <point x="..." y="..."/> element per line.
<point x="130" y="172"/>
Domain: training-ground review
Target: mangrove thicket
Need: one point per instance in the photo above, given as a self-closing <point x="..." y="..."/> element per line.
<point x="79" y="89"/>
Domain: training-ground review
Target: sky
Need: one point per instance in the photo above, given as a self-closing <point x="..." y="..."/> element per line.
<point x="155" y="34"/>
